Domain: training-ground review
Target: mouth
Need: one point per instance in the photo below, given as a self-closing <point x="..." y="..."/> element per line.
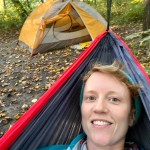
<point x="101" y="123"/>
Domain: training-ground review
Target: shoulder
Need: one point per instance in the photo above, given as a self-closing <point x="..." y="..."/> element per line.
<point x="132" y="145"/>
<point x="54" y="147"/>
<point x="75" y="143"/>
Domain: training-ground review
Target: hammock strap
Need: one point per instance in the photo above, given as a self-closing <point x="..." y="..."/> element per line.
<point x="109" y="3"/>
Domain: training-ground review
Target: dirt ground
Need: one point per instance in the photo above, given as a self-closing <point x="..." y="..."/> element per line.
<point x="23" y="79"/>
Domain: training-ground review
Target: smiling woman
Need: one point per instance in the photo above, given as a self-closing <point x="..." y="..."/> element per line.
<point x="109" y="106"/>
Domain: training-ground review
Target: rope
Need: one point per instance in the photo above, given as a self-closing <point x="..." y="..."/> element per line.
<point x="109" y="2"/>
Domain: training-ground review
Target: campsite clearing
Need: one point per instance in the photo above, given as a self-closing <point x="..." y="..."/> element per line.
<point x="23" y="79"/>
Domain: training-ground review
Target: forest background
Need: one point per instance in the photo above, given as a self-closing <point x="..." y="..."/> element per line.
<point x="23" y="79"/>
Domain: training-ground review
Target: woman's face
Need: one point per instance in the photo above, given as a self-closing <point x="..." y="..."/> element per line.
<point x="106" y="111"/>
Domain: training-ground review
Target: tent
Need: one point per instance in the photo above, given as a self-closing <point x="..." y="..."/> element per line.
<point x="55" y="118"/>
<point x="56" y="24"/>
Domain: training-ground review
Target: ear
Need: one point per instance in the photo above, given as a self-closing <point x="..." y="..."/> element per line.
<point x="132" y="118"/>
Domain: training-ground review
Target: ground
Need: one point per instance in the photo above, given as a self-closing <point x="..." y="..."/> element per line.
<point x="23" y="79"/>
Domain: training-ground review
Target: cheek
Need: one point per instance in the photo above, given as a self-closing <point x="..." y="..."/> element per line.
<point x="123" y="115"/>
<point x="85" y="112"/>
<point x="83" y="116"/>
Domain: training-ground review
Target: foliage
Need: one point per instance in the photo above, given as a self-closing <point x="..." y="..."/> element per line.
<point x="143" y="41"/>
<point x="134" y="13"/>
<point x="122" y="11"/>
<point x="140" y="42"/>
<point x="126" y="11"/>
<point x="136" y="1"/>
<point x="10" y="18"/>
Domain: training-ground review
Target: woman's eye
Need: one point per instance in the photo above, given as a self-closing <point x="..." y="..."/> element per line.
<point x="90" y="98"/>
<point x="114" y="100"/>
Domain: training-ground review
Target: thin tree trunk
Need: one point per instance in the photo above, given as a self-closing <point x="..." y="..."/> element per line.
<point x="4" y="4"/>
<point x="19" y="7"/>
<point x="5" y="7"/>
<point x="146" y="20"/>
<point x="95" y="2"/>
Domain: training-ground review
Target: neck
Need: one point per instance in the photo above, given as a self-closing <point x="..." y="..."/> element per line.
<point x="91" y="146"/>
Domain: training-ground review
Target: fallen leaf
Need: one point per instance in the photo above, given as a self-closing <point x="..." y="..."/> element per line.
<point x="2" y="115"/>
<point x="16" y="117"/>
<point x="34" y="100"/>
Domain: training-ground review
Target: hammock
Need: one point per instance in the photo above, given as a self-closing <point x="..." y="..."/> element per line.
<point x="55" y="118"/>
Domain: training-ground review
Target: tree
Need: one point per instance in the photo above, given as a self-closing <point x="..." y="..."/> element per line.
<point x="4" y="3"/>
<point x="20" y="9"/>
<point x="146" y="20"/>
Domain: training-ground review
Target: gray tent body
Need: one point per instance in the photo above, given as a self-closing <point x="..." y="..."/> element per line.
<point x="76" y="30"/>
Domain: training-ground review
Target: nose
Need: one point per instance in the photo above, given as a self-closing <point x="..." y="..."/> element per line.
<point x="101" y="106"/>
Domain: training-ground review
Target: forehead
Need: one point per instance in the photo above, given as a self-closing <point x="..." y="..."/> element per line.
<point x="99" y="80"/>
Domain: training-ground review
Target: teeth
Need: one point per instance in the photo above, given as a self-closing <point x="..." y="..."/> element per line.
<point x="100" y="123"/>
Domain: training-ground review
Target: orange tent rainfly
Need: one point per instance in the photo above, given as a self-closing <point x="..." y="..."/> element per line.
<point x="56" y="24"/>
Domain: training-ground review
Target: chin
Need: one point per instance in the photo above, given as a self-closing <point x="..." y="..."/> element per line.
<point x="102" y="140"/>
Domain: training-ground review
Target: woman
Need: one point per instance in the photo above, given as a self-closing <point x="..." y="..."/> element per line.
<point x="108" y="109"/>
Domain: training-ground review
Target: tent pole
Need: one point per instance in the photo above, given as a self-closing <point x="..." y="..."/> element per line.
<point x="109" y="3"/>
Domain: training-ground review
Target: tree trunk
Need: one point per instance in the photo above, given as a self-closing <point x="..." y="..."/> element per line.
<point x="4" y="2"/>
<point x="95" y="2"/>
<point x="146" y="21"/>
<point x="19" y="7"/>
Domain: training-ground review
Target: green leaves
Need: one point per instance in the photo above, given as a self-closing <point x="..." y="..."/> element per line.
<point x="134" y="35"/>
<point x="143" y="41"/>
<point x="137" y="1"/>
<point x="148" y="70"/>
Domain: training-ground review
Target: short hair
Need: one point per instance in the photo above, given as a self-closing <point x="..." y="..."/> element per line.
<point x="116" y="70"/>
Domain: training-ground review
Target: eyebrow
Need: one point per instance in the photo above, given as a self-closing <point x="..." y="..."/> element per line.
<point x="90" y="91"/>
<point x="109" y="92"/>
